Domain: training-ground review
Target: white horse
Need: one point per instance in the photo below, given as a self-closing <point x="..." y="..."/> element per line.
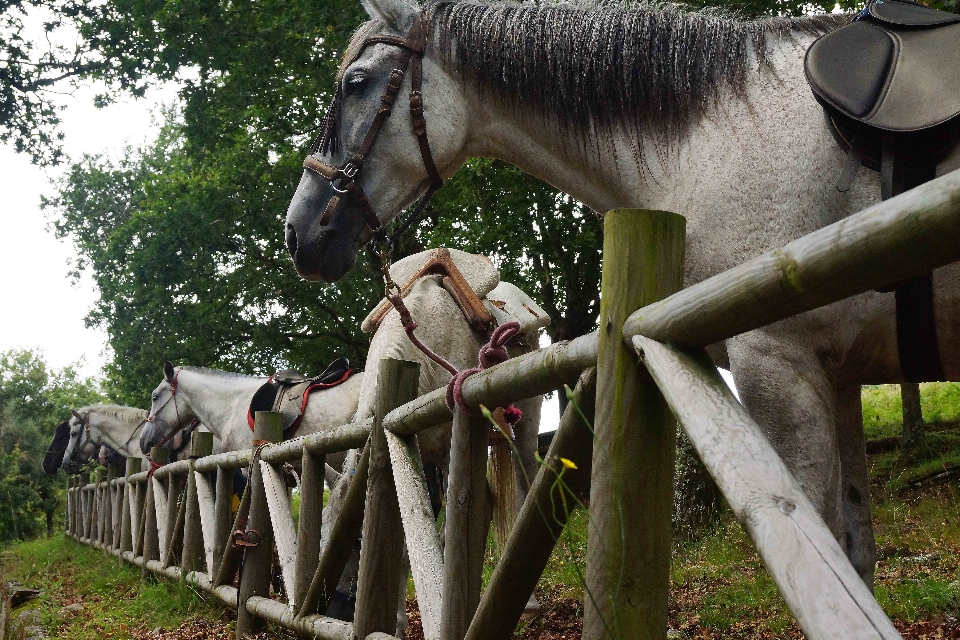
<point x="443" y="328"/>
<point x="103" y="425"/>
<point x="221" y="400"/>
<point x="647" y="106"/>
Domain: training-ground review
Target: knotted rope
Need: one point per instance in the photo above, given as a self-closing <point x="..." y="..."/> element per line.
<point x="492" y="353"/>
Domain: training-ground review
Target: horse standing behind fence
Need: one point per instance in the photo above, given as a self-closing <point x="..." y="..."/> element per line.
<point x="634" y="106"/>
<point x="105" y="425"/>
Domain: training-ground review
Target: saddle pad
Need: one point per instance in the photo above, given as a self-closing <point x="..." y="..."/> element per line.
<point x="507" y="303"/>
<point x="892" y="77"/>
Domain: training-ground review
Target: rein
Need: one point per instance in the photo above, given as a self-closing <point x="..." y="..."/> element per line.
<point x="344" y="178"/>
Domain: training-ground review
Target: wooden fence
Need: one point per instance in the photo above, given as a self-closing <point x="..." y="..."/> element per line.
<point x="178" y="522"/>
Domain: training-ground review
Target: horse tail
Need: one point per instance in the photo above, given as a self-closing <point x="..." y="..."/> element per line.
<point x="503" y="484"/>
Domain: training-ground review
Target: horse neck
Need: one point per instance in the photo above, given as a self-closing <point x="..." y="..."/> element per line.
<point x="121" y="435"/>
<point x="216" y="401"/>
<point x="627" y="167"/>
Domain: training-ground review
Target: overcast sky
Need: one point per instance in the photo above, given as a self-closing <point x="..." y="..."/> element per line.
<point x="42" y="308"/>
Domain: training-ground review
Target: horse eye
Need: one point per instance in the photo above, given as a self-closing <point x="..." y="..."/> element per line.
<point x="156" y="397"/>
<point x="356" y="81"/>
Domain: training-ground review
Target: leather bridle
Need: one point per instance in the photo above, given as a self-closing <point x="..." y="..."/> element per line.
<point x="173" y="396"/>
<point x="344" y="178"/>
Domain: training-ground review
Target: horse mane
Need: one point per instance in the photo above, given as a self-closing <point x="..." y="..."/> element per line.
<point x="219" y="373"/>
<point x="587" y="64"/>
<point x="126" y="414"/>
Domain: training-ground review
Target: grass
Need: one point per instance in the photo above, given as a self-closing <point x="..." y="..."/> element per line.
<point x="882" y="409"/>
<point x="116" y="602"/>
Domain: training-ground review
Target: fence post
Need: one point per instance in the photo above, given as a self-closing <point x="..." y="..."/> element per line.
<point x="112" y="531"/>
<point x="176" y="489"/>
<point x="257" y="560"/>
<point x="101" y="507"/>
<point x="67" y="522"/>
<point x="309" y="522"/>
<point x="466" y="525"/>
<point x="201" y="445"/>
<point x="381" y="552"/>
<point x="127" y="498"/>
<point x="151" y="533"/>
<point x="223" y="519"/>
<point x="628" y="545"/>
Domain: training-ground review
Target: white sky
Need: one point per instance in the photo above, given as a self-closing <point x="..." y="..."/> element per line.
<point x="43" y="309"/>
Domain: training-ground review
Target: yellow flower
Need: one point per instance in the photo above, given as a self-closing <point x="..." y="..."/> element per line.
<point x="569" y="464"/>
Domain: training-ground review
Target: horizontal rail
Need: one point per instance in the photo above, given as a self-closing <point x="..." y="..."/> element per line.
<point x="314" y="626"/>
<point x="887" y="243"/>
<point x="821" y="587"/>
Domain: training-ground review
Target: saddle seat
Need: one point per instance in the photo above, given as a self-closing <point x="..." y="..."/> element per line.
<point x="288" y="392"/>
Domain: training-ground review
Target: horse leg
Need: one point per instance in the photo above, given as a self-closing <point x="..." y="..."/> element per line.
<point x="860" y="542"/>
<point x="785" y="388"/>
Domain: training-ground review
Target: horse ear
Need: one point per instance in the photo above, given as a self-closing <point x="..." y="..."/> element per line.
<point x="396" y="14"/>
<point x="76" y="415"/>
<point x="168" y="372"/>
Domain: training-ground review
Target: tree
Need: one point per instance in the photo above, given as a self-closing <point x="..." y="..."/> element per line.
<point x="33" y="400"/>
<point x="912" y="436"/>
<point x="35" y="65"/>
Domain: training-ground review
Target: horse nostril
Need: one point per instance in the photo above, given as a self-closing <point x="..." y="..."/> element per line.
<point x="291" y="237"/>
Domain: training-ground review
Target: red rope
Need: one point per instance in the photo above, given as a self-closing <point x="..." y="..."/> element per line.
<point x="492" y="353"/>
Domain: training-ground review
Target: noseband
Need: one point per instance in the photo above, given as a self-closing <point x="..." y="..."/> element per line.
<point x="343" y="179"/>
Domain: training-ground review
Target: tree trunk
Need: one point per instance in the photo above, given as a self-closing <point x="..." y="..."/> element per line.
<point x="49" y="515"/>
<point x="912" y="435"/>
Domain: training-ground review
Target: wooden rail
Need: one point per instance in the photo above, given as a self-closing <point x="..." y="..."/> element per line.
<point x="177" y="522"/>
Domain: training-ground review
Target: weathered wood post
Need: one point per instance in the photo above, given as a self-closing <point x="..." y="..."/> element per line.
<point x="541" y="520"/>
<point x="100" y="522"/>
<point x="223" y="515"/>
<point x="112" y="532"/>
<point x="151" y="528"/>
<point x="628" y="545"/>
<point x="257" y="560"/>
<point x="201" y="445"/>
<point x="381" y="552"/>
<point x="128" y="498"/>
<point x="309" y="523"/>
<point x="68" y="521"/>
<point x="466" y="525"/>
<point x="176" y="489"/>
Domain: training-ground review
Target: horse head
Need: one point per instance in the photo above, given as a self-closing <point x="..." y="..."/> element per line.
<point x="366" y="167"/>
<point x="80" y="443"/>
<point x="58" y="446"/>
<point x="169" y="412"/>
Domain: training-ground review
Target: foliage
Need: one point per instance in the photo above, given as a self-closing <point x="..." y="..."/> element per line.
<point x="35" y="65"/>
<point x="190" y="264"/>
<point x="33" y="400"/>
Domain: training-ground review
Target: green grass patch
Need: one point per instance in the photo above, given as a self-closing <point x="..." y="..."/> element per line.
<point x="883" y="410"/>
<point x="115" y="599"/>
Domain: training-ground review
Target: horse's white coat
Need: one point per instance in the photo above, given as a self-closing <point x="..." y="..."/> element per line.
<point x="757" y="172"/>
<point x="115" y="426"/>
<point x="221" y="400"/>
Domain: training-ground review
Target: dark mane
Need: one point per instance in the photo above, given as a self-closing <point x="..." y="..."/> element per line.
<point x="658" y="64"/>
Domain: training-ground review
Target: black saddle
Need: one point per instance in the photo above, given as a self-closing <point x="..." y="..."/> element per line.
<point x="890" y="84"/>
<point x="287" y="392"/>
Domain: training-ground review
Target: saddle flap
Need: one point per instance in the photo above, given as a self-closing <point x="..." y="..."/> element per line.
<point x="849" y="67"/>
<point x="909" y="14"/>
<point x="893" y="69"/>
<point x="507" y="303"/>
